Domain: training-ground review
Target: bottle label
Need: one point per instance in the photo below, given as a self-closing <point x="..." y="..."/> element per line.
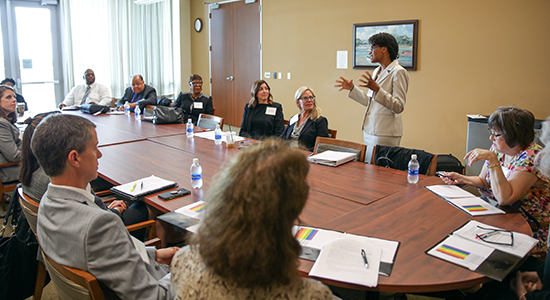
<point x="195" y="176"/>
<point x="218" y="136"/>
<point x="189" y="130"/>
<point x="413" y="172"/>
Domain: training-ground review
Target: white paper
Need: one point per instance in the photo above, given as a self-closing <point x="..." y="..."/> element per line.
<point x="475" y="206"/>
<point x="332" y="158"/>
<point x="193" y="210"/>
<point x="194" y="228"/>
<point x="341" y="260"/>
<point x="389" y="248"/>
<point x="140" y="247"/>
<point x="521" y="246"/>
<point x="314" y="237"/>
<point x="449" y="191"/>
<point x="478" y="116"/>
<point x="341" y="59"/>
<point x="209" y="135"/>
<point x="461" y="252"/>
<point x="152" y="183"/>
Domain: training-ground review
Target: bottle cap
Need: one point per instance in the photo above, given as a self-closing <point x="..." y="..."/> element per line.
<point x="195" y="160"/>
<point x="189" y="120"/>
<point x="217" y="126"/>
<point x="413" y="156"/>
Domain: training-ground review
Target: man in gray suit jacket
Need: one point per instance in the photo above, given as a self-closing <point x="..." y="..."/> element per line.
<point x="74" y="231"/>
<point x="138" y="94"/>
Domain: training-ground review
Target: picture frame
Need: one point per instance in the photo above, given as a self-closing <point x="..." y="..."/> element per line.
<point x="405" y="32"/>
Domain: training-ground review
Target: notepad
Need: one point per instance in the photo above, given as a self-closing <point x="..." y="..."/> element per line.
<point x="332" y="158"/>
<point x="141" y="187"/>
<point x="465" y="201"/>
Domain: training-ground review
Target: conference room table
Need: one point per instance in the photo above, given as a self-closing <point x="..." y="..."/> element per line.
<point x="355" y="198"/>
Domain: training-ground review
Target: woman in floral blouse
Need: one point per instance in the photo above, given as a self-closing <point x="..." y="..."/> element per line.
<point x="509" y="174"/>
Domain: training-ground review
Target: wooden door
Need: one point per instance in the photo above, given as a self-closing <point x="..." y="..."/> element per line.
<point x="235" y="57"/>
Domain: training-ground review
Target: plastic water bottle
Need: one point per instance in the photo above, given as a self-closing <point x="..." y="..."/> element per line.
<point x="413" y="169"/>
<point x="127" y="108"/>
<point x="137" y="113"/>
<point x="196" y="174"/>
<point x="218" y="135"/>
<point x="189" y="129"/>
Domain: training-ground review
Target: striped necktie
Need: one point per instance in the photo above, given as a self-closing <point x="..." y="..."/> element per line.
<point x="85" y="95"/>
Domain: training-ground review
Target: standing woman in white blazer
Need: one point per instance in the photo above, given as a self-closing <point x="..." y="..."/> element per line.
<point x="386" y="94"/>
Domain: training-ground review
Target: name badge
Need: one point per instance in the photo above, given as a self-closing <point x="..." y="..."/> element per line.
<point x="370" y="93"/>
<point x="198" y="105"/>
<point x="270" y="111"/>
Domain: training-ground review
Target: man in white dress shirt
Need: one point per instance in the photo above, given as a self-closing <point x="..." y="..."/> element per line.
<point x="90" y="92"/>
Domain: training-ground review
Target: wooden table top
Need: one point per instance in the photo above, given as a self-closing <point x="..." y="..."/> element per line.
<point x="355" y="197"/>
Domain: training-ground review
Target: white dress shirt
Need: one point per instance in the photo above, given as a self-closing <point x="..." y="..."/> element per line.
<point x="99" y="94"/>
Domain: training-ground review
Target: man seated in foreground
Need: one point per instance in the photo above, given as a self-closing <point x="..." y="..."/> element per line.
<point x="74" y="231"/>
<point x="138" y="94"/>
<point x="90" y="92"/>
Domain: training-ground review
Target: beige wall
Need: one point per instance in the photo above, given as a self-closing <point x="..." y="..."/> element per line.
<point x="473" y="57"/>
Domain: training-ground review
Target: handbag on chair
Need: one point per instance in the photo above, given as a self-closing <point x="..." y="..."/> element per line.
<point x="18" y="264"/>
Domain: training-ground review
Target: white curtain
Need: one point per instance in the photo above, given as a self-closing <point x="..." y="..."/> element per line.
<point x="118" y="39"/>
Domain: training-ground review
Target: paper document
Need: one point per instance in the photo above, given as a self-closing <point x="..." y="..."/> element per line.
<point x="209" y="135"/>
<point x="142" y="187"/>
<point x="140" y="247"/>
<point x="194" y="228"/>
<point x="449" y="191"/>
<point x="194" y="210"/>
<point x="475" y="206"/>
<point x="520" y="247"/>
<point x="332" y="158"/>
<point x="341" y="260"/>
<point x="461" y="252"/>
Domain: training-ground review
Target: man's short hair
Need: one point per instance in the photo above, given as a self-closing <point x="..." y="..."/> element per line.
<point x="56" y="136"/>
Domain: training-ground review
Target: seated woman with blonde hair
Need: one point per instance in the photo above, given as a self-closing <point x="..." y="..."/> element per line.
<point x="244" y="248"/>
<point x="304" y="127"/>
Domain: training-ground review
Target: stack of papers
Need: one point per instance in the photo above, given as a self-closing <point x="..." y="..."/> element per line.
<point x="465" y="201"/>
<point x="194" y="210"/>
<point x="332" y="158"/>
<point x="142" y="187"/>
<point x="485" y="249"/>
<point x="314" y="239"/>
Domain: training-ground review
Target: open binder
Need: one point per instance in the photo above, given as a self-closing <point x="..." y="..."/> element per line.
<point x="142" y="187"/>
<point x="332" y="158"/>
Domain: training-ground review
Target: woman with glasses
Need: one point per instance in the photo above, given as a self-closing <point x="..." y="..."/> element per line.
<point x="194" y="103"/>
<point x="304" y="127"/>
<point x="509" y="174"/>
<point x="262" y="117"/>
<point x="386" y="94"/>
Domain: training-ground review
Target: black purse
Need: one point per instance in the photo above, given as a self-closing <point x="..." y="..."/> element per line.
<point x="167" y="115"/>
<point x="94" y="108"/>
<point x="18" y="264"/>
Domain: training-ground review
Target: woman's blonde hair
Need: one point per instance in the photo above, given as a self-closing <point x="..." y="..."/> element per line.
<point x="254" y="91"/>
<point x="246" y="235"/>
<point x="316" y="110"/>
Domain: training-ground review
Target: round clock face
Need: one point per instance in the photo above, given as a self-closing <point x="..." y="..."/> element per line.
<point x="198" y="25"/>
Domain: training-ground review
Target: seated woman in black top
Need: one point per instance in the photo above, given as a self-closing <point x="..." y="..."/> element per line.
<point x="304" y="128"/>
<point x="194" y="103"/>
<point x="262" y="117"/>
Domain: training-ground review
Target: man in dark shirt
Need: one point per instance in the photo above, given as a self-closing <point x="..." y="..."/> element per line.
<point x="138" y="94"/>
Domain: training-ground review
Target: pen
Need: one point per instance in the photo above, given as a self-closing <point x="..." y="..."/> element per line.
<point x="442" y="175"/>
<point x="364" y="255"/>
<point x="486" y="235"/>
<point x="133" y="187"/>
<point x="141" y="188"/>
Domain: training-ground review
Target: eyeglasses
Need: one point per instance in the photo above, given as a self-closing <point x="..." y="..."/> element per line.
<point x="503" y="234"/>
<point x="494" y="134"/>
<point x="373" y="47"/>
<point x="305" y="99"/>
<point x="196" y="83"/>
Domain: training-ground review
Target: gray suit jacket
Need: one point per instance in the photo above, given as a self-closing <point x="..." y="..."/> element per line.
<point x="10" y="150"/>
<point x="75" y="232"/>
<point x="383" y="115"/>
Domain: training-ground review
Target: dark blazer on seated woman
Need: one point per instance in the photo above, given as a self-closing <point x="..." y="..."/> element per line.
<point x="262" y="117"/>
<point x="192" y="108"/>
<point x="310" y="131"/>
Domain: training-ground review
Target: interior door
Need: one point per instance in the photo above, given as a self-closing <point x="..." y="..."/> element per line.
<point x="32" y="52"/>
<point x="235" y="57"/>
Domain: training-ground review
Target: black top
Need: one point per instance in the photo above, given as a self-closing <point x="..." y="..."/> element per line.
<point x="262" y="121"/>
<point x="19" y="98"/>
<point x="192" y="110"/>
<point x="310" y="131"/>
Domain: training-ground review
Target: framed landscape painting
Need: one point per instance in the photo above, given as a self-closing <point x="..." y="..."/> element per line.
<point x="405" y="32"/>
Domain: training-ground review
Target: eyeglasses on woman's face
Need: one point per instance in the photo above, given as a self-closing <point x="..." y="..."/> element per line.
<point x="306" y="99"/>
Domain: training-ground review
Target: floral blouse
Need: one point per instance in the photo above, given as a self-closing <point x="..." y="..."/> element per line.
<point x="536" y="200"/>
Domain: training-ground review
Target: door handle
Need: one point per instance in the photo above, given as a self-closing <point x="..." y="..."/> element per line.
<point x="230" y="78"/>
